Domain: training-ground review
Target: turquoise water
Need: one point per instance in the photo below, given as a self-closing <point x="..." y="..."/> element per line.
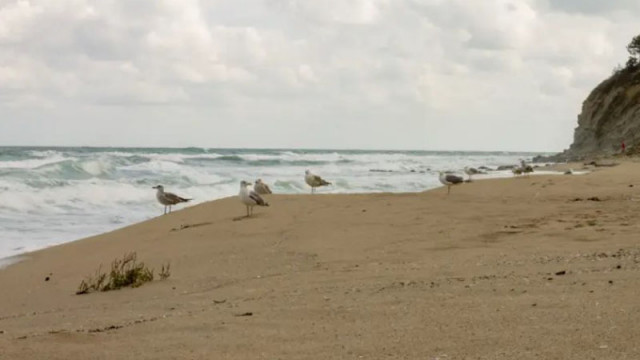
<point x="59" y="194"/>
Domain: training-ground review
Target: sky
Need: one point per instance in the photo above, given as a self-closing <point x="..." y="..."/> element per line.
<point x="485" y="75"/>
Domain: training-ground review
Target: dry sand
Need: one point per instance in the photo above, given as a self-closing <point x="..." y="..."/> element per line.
<point x="380" y="276"/>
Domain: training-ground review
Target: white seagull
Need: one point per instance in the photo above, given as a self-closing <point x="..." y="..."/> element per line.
<point x="261" y="188"/>
<point x="167" y="198"/>
<point x="314" y="180"/>
<point x="449" y="180"/>
<point x="250" y="198"/>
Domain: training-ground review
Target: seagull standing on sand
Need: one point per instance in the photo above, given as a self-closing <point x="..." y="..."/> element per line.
<point x="261" y="188"/>
<point x="471" y="171"/>
<point x="167" y="198"/>
<point x="449" y="180"/>
<point x="525" y="168"/>
<point x="314" y="180"/>
<point x="250" y="198"/>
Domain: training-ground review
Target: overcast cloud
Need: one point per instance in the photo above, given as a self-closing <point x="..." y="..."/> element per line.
<point x="393" y="74"/>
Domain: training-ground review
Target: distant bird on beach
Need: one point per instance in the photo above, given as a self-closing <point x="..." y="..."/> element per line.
<point x="522" y="169"/>
<point x="261" y="188"/>
<point x="449" y="180"/>
<point x="314" y="180"/>
<point x="525" y="168"/>
<point x="471" y="171"/>
<point x="167" y="198"/>
<point x="250" y="198"/>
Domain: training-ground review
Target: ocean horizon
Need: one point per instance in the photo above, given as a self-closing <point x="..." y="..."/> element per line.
<point x="55" y="194"/>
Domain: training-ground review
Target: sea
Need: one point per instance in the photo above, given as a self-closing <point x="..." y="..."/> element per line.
<point x="52" y="195"/>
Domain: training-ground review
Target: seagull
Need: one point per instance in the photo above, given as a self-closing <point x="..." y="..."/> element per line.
<point x="516" y="171"/>
<point x="525" y="168"/>
<point x="250" y="198"/>
<point x="449" y="180"/>
<point x="314" y="180"/>
<point x="167" y="198"/>
<point x="471" y="171"/>
<point x="261" y="188"/>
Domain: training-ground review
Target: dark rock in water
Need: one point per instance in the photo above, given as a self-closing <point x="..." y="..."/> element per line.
<point x="485" y="168"/>
<point x="505" y="167"/>
<point x="568" y="172"/>
<point x="379" y="170"/>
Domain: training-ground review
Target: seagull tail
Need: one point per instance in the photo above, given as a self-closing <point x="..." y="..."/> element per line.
<point x="185" y="200"/>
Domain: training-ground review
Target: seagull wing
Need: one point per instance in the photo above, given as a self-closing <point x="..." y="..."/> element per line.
<point x="257" y="198"/>
<point x="320" y="181"/>
<point x="173" y="198"/>
<point x="262" y="188"/>
<point x="454" y="179"/>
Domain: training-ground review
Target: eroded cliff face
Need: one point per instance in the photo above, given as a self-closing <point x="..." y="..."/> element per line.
<point x="610" y="115"/>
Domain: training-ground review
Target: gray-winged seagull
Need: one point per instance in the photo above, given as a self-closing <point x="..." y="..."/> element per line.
<point x="250" y="198"/>
<point x="261" y="188"/>
<point x="167" y="198"/>
<point x="471" y="171"/>
<point x="314" y="180"/>
<point x="449" y="180"/>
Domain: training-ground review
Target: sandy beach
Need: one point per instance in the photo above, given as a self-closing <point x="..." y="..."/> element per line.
<point x="539" y="267"/>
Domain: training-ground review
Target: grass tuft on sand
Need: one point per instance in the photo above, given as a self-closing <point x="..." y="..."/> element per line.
<point x="125" y="272"/>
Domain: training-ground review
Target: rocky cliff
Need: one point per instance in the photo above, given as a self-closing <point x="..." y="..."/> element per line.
<point x="610" y="115"/>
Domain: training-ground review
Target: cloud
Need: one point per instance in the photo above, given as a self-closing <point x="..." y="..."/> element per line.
<point x="594" y="7"/>
<point x="402" y="74"/>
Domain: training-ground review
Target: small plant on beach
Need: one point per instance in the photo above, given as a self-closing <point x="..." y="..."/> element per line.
<point x="128" y="272"/>
<point x="92" y="283"/>
<point x="165" y="271"/>
<point x="125" y="272"/>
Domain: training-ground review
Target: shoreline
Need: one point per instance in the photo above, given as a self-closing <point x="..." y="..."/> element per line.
<point x="528" y="268"/>
<point x="10" y="260"/>
<point x="551" y="169"/>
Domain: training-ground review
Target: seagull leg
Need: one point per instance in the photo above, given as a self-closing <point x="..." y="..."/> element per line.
<point x="448" y="189"/>
<point x="247" y="210"/>
<point x="165" y="210"/>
